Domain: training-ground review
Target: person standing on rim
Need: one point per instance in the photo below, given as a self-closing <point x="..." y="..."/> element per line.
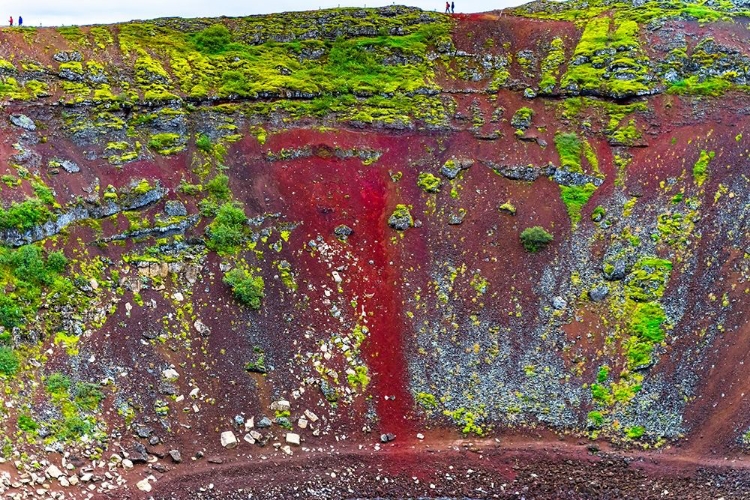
<point x="10" y="20"/>
<point x="453" y="7"/>
<point x="447" y="8"/>
<point x="20" y="21"/>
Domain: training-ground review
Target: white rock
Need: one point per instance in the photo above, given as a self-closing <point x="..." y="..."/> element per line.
<point x="194" y="393"/>
<point x="336" y="276"/>
<point x="54" y="472"/>
<point x="86" y="477"/>
<point x="228" y="439"/>
<point x="256" y="435"/>
<point x="178" y="297"/>
<point x="73" y="480"/>
<point x="249" y="423"/>
<point x="286" y="449"/>
<point x="282" y="405"/>
<point x="302" y="423"/>
<point x="292" y="438"/>
<point x="127" y="464"/>
<point x="311" y="416"/>
<point x="249" y="439"/>
<point x="143" y="485"/>
<point x="170" y="374"/>
<point x="64" y="482"/>
<point x="202" y="328"/>
<point x="420" y="435"/>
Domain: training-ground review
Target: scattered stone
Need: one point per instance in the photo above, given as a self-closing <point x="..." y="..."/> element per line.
<point x="137" y="454"/>
<point x="293" y="438"/>
<point x="287" y="449"/>
<point x="256" y="435"/>
<point x="249" y="423"/>
<point x="127" y="464"/>
<point x="70" y="167"/>
<point x="216" y="460"/>
<point x="420" y="435"/>
<point x="559" y="303"/>
<point x="175" y="208"/>
<point x="239" y="420"/>
<point x="170" y="374"/>
<point x="264" y="422"/>
<point x="387" y="438"/>
<point x="228" y="439"/>
<point x="143" y="485"/>
<point x="311" y="416"/>
<point x="143" y="431"/>
<point x="54" y="472"/>
<point x="248" y="438"/>
<point x="599" y="293"/>
<point x="176" y="456"/>
<point x="23" y="121"/>
<point x="302" y="423"/>
<point x="343" y="232"/>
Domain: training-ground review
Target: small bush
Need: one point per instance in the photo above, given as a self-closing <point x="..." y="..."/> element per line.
<point x="227" y="231"/>
<point x="219" y="187"/>
<point x="8" y="361"/>
<point x="27" y="424"/>
<point x="87" y="396"/>
<point x="203" y="142"/>
<point x="535" y="238"/>
<point x="247" y="288"/>
<point x="57" y="384"/>
<point x="213" y="39"/>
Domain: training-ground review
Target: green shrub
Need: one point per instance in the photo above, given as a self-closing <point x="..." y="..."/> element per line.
<point x="535" y="238"/>
<point x="8" y="361"/>
<point x="25" y="215"/>
<point x="248" y="289"/>
<point x="227" y="231"/>
<point x="57" y="384"/>
<point x="219" y="187"/>
<point x="87" y="396"/>
<point x="203" y="142"/>
<point x="27" y="424"/>
<point x="595" y="419"/>
<point x="213" y="39"/>
<point x="11" y="315"/>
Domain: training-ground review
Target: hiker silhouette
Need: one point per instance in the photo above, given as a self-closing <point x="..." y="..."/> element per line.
<point x="10" y="20"/>
<point x="453" y="7"/>
<point x="20" y="21"/>
<point x="447" y="8"/>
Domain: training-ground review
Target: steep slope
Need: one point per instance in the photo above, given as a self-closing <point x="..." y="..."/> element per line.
<point x="313" y="232"/>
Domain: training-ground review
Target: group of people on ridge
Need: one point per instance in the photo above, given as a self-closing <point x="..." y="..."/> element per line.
<point x="450" y="7"/>
<point x="20" y="21"/>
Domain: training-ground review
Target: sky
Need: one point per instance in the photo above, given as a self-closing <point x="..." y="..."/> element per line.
<point x="68" y="12"/>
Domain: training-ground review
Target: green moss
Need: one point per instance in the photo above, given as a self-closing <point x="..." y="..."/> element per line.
<point x="569" y="147"/>
<point x="508" y="208"/>
<point x="426" y="400"/>
<point x="166" y="143"/>
<point x="551" y="66"/>
<point x="521" y="119"/>
<point x="595" y="419"/>
<point x="25" y="215"/>
<point x="700" y="169"/>
<point x="428" y="182"/>
<point x="575" y="198"/>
